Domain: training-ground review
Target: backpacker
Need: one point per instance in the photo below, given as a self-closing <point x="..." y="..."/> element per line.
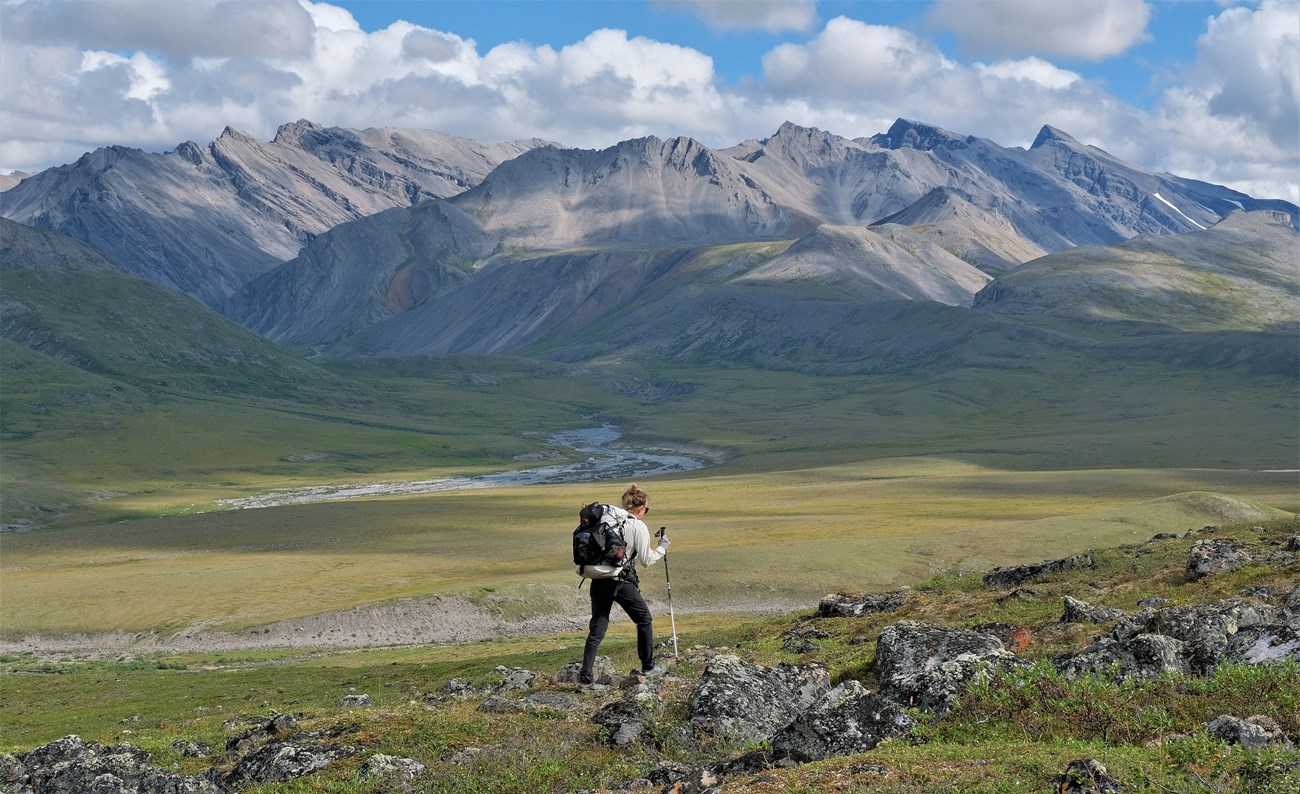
<point x="599" y="550"/>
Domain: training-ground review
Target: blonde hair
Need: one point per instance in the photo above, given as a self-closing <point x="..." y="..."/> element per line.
<point x="634" y="497"/>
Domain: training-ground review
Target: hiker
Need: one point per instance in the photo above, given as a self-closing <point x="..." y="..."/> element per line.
<point x="624" y="589"/>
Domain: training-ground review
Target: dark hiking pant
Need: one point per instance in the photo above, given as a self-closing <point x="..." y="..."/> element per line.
<point x="604" y="594"/>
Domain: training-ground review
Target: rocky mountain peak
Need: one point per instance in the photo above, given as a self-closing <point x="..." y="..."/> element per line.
<point x="1049" y="133"/>
<point x="907" y="134"/>
<point x="292" y="134"/>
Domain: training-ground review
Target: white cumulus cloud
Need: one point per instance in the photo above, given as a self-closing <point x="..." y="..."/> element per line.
<point x="1085" y="29"/>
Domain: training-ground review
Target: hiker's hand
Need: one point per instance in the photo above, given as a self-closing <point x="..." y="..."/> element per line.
<point x="664" y="543"/>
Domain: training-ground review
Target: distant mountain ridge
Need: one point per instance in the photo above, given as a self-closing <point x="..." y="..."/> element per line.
<point x="592" y="232"/>
<point x="406" y="242"/>
<point x="203" y="220"/>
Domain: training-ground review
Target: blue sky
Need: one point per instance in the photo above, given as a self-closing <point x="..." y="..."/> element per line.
<point x="1205" y="89"/>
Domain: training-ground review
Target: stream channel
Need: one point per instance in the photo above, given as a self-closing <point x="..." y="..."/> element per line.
<point x="604" y="461"/>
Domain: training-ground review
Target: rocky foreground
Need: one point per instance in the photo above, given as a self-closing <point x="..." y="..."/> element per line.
<point x="789" y="714"/>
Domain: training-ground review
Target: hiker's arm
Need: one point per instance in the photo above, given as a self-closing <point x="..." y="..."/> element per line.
<point x="645" y="553"/>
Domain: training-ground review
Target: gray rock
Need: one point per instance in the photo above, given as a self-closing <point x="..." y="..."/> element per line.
<point x="747" y="702"/>
<point x="1253" y="733"/>
<point x="1266" y="643"/>
<point x="1143" y="656"/>
<point x="843" y="605"/>
<point x="71" y="766"/>
<point x="394" y="772"/>
<point x="848" y="720"/>
<point x="628" y="719"/>
<point x="191" y="749"/>
<point x="355" y="701"/>
<point x="930" y="666"/>
<point x="1087" y="776"/>
<point x="1216" y="556"/>
<point x="1152" y="602"/>
<point x="603" y="671"/>
<point x="281" y="761"/>
<point x="1292" y="601"/>
<point x="514" y="679"/>
<point x="1293" y="543"/>
<point x="1205" y="628"/>
<point x="1077" y="611"/>
<point x="1019" y="574"/>
<point x="263" y="730"/>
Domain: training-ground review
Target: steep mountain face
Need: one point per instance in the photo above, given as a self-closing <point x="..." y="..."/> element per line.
<point x="640" y="191"/>
<point x="855" y="263"/>
<point x="204" y="220"/>
<point x="983" y="238"/>
<point x="1238" y="274"/>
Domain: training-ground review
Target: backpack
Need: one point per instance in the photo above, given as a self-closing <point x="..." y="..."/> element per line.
<point x="599" y="550"/>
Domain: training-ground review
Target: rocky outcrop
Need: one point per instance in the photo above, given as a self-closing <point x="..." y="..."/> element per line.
<point x="72" y="766"/>
<point x="1211" y="557"/>
<point x="630" y="719"/>
<point x="1204" y="628"/>
<point x="844" y="605"/>
<point x="391" y="773"/>
<point x="1077" y="611"/>
<point x="930" y="666"/>
<point x="848" y="720"/>
<point x="1017" y="575"/>
<point x="1143" y="656"/>
<point x="747" y="702"/>
<point x="281" y="761"/>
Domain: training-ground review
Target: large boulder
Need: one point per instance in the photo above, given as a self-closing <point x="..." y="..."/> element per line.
<point x="747" y="702"/>
<point x="1205" y="628"/>
<point x="1144" y="656"/>
<point x="844" y="605"/>
<point x="1210" y="557"/>
<point x="930" y="666"/>
<point x="72" y="766"/>
<point x="281" y="761"/>
<point x="1014" y="576"/>
<point x="1253" y="733"/>
<point x="1077" y="611"/>
<point x="848" y="720"/>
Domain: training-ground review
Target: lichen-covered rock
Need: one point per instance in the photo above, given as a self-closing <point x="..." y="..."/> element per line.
<point x="1267" y="643"/>
<point x="1253" y="733"/>
<point x="930" y="666"/>
<point x="1077" y="611"/>
<point x="72" y="766"/>
<point x="513" y="679"/>
<point x="1004" y="577"/>
<point x="603" y="671"/>
<point x="1143" y="656"/>
<point x="748" y="702"/>
<point x="1087" y="776"/>
<point x="393" y="772"/>
<point x="355" y="701"/>
<point x="1205" y="628"/>
<point x="848" y="720"/>
<point x="844" y="605"/>
<point x="628" y="720"/>
<point x="1210" y="557"/>
<point x="282" y="761"/>
<point x="261" y="732"/>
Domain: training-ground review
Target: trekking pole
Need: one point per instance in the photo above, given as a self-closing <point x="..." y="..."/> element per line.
<point x="671" y="617"/>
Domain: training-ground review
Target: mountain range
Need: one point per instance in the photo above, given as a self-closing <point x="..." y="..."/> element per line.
<point x="401" y="242"/>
